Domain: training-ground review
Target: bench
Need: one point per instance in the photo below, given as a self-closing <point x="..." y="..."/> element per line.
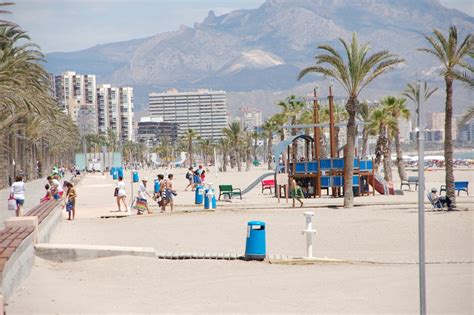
<point x="43" y="209"/>
<point x="458" y="186"/>
<point x="408" y="182"/>
<point x="229" y="191"/>
<point x="268" y="184"/>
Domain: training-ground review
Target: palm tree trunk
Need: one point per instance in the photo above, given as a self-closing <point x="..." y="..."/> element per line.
<point x="351" y="108"/>
<point x="248" y="162"/>
<point x="448" y="141"/>
<point x="224" y="160"/>
<point x="387" y="159"/>
<point x="365" y="140"/>
<point x="269" y="152"/>
<point x="400" y="163"/>
<point x="238" y="159"/>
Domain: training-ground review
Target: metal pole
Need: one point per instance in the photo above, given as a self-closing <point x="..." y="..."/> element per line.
<point x="421" y="211"/>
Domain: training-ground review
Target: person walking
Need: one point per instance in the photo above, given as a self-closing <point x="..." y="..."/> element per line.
<point x="121" y="194"/>
<point x="168" y="193"/>
<point x="17" y="192"/>
<point x="296" y="192"/>
<point x="189" y="177"/>
<point x="71" y="200"/>
<point x="142" y="202"/>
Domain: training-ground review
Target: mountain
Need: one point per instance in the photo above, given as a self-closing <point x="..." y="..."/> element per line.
<point x="260" y="51"/>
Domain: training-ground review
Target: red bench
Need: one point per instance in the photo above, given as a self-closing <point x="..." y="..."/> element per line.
<point x="268" y="184"/>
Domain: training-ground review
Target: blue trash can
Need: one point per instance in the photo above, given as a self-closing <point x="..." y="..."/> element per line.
<point x="199" y="195"/>
<point x="135" y="177"/>
<point x="120" y="172"/>
<point x="115" y="174"/>
<point x="255" y="246"/>
<point x="112" y="170"/>
<point x="156" y="186"/>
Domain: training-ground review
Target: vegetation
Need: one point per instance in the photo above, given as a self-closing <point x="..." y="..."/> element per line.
<point x="34" y="133"/>
<point x="452" y="55"/>
<point x="355" y="71"/>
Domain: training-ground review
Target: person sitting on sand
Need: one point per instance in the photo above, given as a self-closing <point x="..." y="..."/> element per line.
<point x="296" y="192"/>
<point x="440" y="200"/>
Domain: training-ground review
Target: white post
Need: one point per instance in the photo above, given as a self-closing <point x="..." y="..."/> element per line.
<point x="310" y="232"/>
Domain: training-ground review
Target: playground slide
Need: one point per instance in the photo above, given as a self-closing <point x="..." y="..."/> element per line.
<point x="381" y="186"/>
<point x="180" y="160"/>
<point x="257" y="182"/>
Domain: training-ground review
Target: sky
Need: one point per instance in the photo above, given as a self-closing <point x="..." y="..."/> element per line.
<point x="70" y="25"/>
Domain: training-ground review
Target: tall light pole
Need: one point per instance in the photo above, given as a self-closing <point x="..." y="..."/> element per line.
<point x="421" y="207"/>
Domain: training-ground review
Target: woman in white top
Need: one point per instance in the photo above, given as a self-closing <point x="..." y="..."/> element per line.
<point x="142" y="194"/>
<point x="121" y="194"/>
<point x="18" y="193"/>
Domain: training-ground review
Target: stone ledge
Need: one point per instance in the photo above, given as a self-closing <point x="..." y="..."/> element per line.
<point x="72" y="252"/>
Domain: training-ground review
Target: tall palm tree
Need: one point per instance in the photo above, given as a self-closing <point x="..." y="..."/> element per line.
<point x="356" y="70"/>
<point x="383" y="124"/>
<point x="269" y="130"/>
<point x="188" y="138"/>
<point x="415" y="93"/>
<point x="207" y="149"/>
<point x="224" y="147"/>
<point x="292" y="109"/>
<point x="364" y="116"/>
<point x="397" y="108"/>
<point x="234" y="134"/>
<point x="452" y="56"/>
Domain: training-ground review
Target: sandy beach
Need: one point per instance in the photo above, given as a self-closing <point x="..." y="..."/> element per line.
<point x="381" y="230"/>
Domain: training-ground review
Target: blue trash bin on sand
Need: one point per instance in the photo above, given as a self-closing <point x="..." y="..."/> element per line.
<point x="115" y="174"/>
<point x="135" y="177"/>
<point x="120" y="171"/>
<point x="199" y="195"/>
<point x="255" y="246"/>
<point x="112" y="170"/>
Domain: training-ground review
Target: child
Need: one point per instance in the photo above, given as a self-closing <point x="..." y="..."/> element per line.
<point x="48" y="196"/>
<point x="71" y="200"/>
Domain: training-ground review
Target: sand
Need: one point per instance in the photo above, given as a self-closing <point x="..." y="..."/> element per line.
<point x="381" y="229"/>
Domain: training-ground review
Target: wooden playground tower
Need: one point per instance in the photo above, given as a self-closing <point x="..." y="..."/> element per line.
<point x="321" y="172"/>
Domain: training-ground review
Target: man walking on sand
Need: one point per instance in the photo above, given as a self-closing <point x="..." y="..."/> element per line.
<point x="296" y="192"/>
<point x="168" y="193"/>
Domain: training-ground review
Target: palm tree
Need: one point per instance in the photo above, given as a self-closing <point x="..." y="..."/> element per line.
<point x="224" y="147"/>
<point x="383" y="124"/>
<point x="188" y="138"/>
<point x="453" y="61"/>
<point x="354" y="72"/>
<point x="364" y="116"/>
<point x="234" y="134"/>
<point x="269" y="129"/>
<point x="467" y="116"/>
<point x="292" y="109"/>
<point x="207" y="149"/>
<point x="111" y="140"/>
<point x="164" y="149"/>
<point x="397" y="108"/>
<point x="414" y="92"/>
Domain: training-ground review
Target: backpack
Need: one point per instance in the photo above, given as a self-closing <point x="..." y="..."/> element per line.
<point x="188" y="176"/>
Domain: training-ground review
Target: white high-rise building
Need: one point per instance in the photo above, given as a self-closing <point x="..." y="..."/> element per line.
<point x="251" y="118"/>
<point x="203" y="110"/>
<point x="115" y="110"/>
<point x="75" y="90"/>
<point x="405" y="128"/>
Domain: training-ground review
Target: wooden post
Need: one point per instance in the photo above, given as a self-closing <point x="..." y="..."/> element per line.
<point x="332" y="134"/>
<point x="316" y="121"/>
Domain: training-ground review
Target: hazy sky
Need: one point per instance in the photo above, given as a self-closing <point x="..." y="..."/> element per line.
<point x="68" y="25"/>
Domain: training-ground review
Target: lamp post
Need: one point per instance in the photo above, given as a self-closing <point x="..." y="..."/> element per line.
<point x="421" y="208"/>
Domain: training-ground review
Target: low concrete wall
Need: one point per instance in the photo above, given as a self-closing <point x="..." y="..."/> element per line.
<point x="18" y="266"/>
<point x="73" y="252"/>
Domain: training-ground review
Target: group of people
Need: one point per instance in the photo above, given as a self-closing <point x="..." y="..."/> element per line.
<point x="163" y="194"/>
<point x="195" y="177"/>
<point x="54" y="190"/>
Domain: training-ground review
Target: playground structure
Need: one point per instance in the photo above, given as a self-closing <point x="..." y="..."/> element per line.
<point x="310" y="170"/>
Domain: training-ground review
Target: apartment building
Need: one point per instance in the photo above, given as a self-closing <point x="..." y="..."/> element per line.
<point x="251" y="118"/>
<point x="74" y="90"/>
<point x="203" y="110"/>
